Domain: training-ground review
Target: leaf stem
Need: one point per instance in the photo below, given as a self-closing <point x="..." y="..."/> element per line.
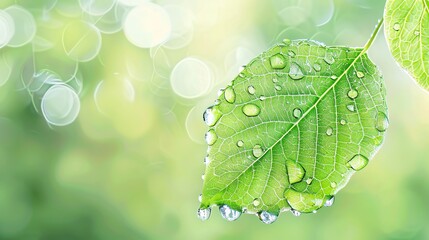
<point x="373" y="35"/>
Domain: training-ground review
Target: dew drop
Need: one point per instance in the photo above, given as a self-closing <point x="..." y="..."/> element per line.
<point x="211" y="116"/>
<point x="360" y="74"/>
<point x="275" y="80"/>
<point x="330" y="201"/>
<point x="256" y="202"/>
<point x="287" y="41"/>
<point x="211" y="137"/>
<point x="317" y="67"/>
<point x="352" y="94"/>
<point x="334" y="77"/>
<point x="329" y="131"/>
<point x="240" y="143"/>
<point x="251" y="110"/>
<point x="382" y="122"/>
<point x="267" y="217"/>
<point x="230" y="95"/>
<point x="333" y="184"/>
<point x="295" y="171"/>
<point x="278" y="87"/>
<point x="396" y="27"/>
<point x="278" y="61"/>
<point x="343" y="122"/>
<point x="351" y="107"/>
<point x="295" y="213"/>
<point x="309" y="181"/>
<point x="251" y="90"/>
<point x="200" y="198"/>
<point x="229" y="213"/>
<point x="207" y="160"/>
<point x="295" y="72"/>
<point x="358" y="162"/>
<point x="297" y="113"/>
<point x="417" y="33"/>
<point x="203" y="177"/>
<point x="262" y="98"/>
<point x="291" y="53"/>
<point x="257" y="151"/>
<point x="204" y="213"/>
<point x="329" y="59"/>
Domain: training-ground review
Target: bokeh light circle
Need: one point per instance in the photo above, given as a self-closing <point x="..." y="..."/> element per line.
<point x="147" y="25"/>
<point x="191" y="78"/>
<point x="97" y="7"/>
<point x="81" y="41"/>
<point x="25" y="26"/>
<point x="7" y="28"/>
<point x="60" y="105"/>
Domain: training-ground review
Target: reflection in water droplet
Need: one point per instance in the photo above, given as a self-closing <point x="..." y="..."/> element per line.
<point x="257" y="151"/>
<point x="240" y="143"/>
<point x="353" y="94"/>
<point x="297" y="113"/>
<point x="251" y="90"/>
<point x="295" y="72"/>
<point x="251" y="110"/>
<point x="229" y="213"/>
<point x="358" y="162"/>
<point x="211" y="116"/>
<point x="360" y="74"/>
<point x="382" y="122"/>
<point x="295" y="171"/>
<point x="351" y="107"/>
<point x="211" y="137"/>
<point x="330" y="201"/>
<point x="267" y="217"/>
<point x="343" y="122"/>
<point x="230" y="95"/>
<point x="317" y="67"/>
<point x="396" y="27"/>
<point x="329" y="58"/>
<point x="278" y="61"/>
<point x="295" y="213"/>
<point x="329" y="131"/>
<point x="256" y="202"/>
<point x="204" y="213"/>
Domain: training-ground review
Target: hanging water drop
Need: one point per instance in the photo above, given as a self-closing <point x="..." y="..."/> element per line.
<point x="257" y="151"/>
<point x="330" y="201"/>
<point x="251" y="90"/>
<point x="267" y="217"/>
<point x="200" y="198"/>
<point x="230" y="95"/>
<point x="358" y="162"/>
<point x="251" y="110"/>
<point x="207" y="160"/>
<point x="211" y="116"/>
<point x="211" y="137"/>
<point x="229" y="213"/>
<point x="352" y="94"/>
<point x="295" y="72"/>
<point x="295" y="213"/>
<point x="297" y="113"/>
<point x="204" y="213"/>
<point x="382" y="122"/>
<point x="278" y="61"/>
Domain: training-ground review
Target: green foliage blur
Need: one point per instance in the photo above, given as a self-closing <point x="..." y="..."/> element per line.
<point x="130" y="166"/>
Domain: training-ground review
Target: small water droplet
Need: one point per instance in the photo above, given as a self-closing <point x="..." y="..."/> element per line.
<point x="295" y="213"/>
<point x="230" y="95"/>
<point x="242" y="75"/>
<point x="309" y="181"/>
<point x="278" y="61"/>
<point x="417" y="33"/>
<point x="330" y="201"/>
<point x="207" y="160"/>
<point x="256" y="202"/>
<point x="360" y="74"/>
<point x="267" y="217"/>
<point x="333" y="184"/>
<point x="203" y="177"/>
<point x="334" y="77"/>
<point x="251" y="90"/>
<point x="275" y="80"/>
<point x="382" y="122"/>
<point x="295" y="171"/>
<point x="278" y="87"/>
<point x="329" y="131"/>
<point x="251" y="110"/>
<point x="291" y="53"/>
<point x="343" y="122"/>
<point x="352" y="94"/>
<point x="295" y="72"/>
<point x="329" y="58"/>
<point x="220" y="91"/>
<point x="257" y="151"/>
<point x="297" y="113"/>
<point x="211" y="137"/>
<point x="262" y="98"/>
<point x="358" y="162"/>
<point x="211" y="116"/>
<point x="200" y="198"/>
<point x="351" y="107"/>
<point x="240" y="143"/>
<point x="204" y="213"/>
<point x="396" y="27"/>
<point x="229" y="213"/>
<point x="287" y="41"/>
<point x="317" y="67"/>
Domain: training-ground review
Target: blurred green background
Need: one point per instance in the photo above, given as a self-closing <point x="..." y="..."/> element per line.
<point x="130" y="165"/>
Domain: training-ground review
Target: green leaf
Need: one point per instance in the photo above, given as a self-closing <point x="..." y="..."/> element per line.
<point x="407" y="34"/>
<point x="291" y="130"/>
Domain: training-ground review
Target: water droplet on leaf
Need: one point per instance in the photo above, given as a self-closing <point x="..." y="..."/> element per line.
<point x="297" y="113"/>
<point x="278" y="87"/>
<point x="353" y="94"/>
<point x="396" y="27"/>
<point x="330" y="201"/>
<point x="333" y="184"/>
<point x="358" y="162"/>
<point x="229" y="213"/>
<point x="211" y="137"/>
<point x="251" y="90"/>
<point x="295" y="72"/>
<point x="295" y="171"/>
<point x="317" y="67"/>
<point x="329" y="58"/>
<point x="257" y="151"/>
<point x="240" y="143"/>
<point x="351" y="107"/>
<point x="291" y="53"/>
<point x="329" y="131"/>
<point x="382" y="122"/>
<point x="278" y="61"/>
<point x="256" y="202"/>
<point x="309" y="181"/>
<point x="230" y="95"/>
<point x="334" y="77"/>
<point x="360" y="74"/>
<point x="211" y="116"/>
<point x="343" y="122"/>
<point x="251" y="110"/>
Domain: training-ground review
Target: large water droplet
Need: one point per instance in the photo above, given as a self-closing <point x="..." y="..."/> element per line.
<point x="229" y="213"/>
<point x="297" y="113"/>
<point x="330" y="201"/>
<point x="204" y="213"/>
<point x="295" y="213"/>
<point x="295" y="72"/>
<point x="240" y="143"/>
<point x="351" y="107"/>
<point x="211" y="137"/>
<point x="251" y="110"/>
<point x="329" y="58"/>
<point x="267" y="217"/>
<point x="295" y="171"/>
<point x="382" y="122"/>
<point x="257" y="151"/>
<point x="256" y="202"/>
<point x="230" y="95"/>
<point x="360" y="74"/>
<point x="396" y="27"/>
<point x="329" y="131"/>
<point x="278" y="61"/>
<point x="352" y="94"/>
<point x="358" y="162"/>
<point x="251" y="90"/>
<point x="211" y="116"/>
